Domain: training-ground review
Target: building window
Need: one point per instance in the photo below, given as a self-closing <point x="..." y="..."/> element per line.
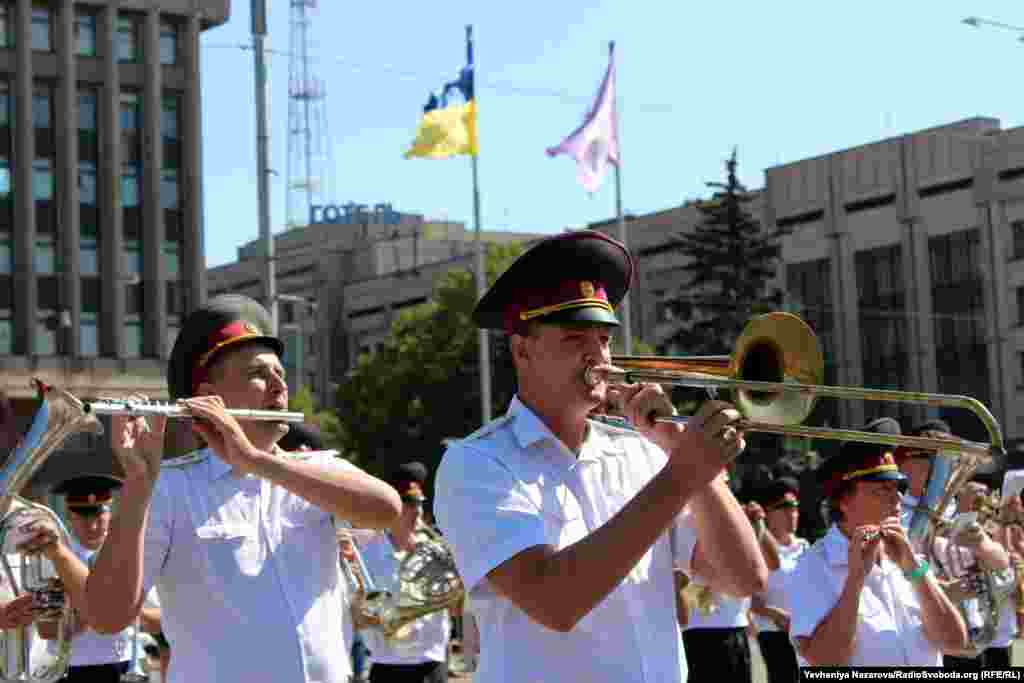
<point x="130" y="179"/>
<point x="6" y="105"/>
<point x="41" y="108"/>
<point x="45" y="255"/>
<point x="131" y="112"/>
<point x="6" y="333"/>
<point x="169" y="191"/>
<point x="958" y="311"/>
<point x="42" y="179"/>
<point x="132" y="257"/>
<point x="42" y="39"/>
<point x="1020" y="306"/>
<point x="1017" y="228"/>
<point x="85" y="33"/>
<point x="87" y="110"/>
<point x="172" y="260"/>
<point x="46" y="334"/>
<point x="89" y="335"/>
<point x="5" y="180"/>
<point x="129" y="48"/>
<point x="133" y="338"/>
<point x="87" y="183"/>
<point x="169" y="117"/>
<point x="172" y="337"/>
<point x="89" y="256"/>
<point x="6" y="25"/>
<point x="6" y="254"/>
<point x="168" y="43"/>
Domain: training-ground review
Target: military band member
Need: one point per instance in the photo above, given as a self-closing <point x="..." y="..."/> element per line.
<point x="239" y="537"/>
<point x="860" y="596"/>
<point x="566" y="530"/>
<point x="421" y="655"/>
<point x="781" y="501"/>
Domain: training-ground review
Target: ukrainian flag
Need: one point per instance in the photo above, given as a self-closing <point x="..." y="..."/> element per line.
<point x="447" y="128"/>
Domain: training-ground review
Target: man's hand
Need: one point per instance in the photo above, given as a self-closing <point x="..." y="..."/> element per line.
<point x="36" y="532"/>
<point x="138" y="444"/>
<point x="223" y="433"/>
<point x="971" y="536"/>
<point x="862" y="553"/>
<point x="897" y="545"/>
<point x="17" y="612"/>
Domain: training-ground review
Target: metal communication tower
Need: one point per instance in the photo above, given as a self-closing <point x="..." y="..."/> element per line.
<point x="309" y="166"/>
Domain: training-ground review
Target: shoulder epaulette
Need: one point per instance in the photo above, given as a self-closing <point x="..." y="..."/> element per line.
<point x="187" y="460"/>
<point x="488" y="428"/>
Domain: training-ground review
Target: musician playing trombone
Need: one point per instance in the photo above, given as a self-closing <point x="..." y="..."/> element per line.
<point x="566" y="530"/>
<point x="238" y="537"/>
<point x="860" y="596"/>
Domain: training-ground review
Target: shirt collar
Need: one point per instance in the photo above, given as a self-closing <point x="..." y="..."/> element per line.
<point x="529" y="429"/>
<point x="218" y="468"/>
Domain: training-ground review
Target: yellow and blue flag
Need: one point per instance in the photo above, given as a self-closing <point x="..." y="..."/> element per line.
<point x="448" y="128"/>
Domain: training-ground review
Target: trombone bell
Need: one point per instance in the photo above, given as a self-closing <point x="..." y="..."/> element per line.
<point x="774" y="347"/>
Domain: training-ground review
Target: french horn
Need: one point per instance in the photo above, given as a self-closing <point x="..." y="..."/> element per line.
<point x="58" y="416"/>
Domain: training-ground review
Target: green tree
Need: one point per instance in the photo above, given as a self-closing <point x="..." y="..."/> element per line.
<point x="401" y="402"/>
<point x="325" y="420"/>
<point x="731" y="262"/>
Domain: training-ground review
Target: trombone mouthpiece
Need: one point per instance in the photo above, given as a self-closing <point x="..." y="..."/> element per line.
<point x="595" y="374"/>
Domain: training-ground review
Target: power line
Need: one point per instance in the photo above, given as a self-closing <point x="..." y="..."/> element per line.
<point x="501" y="87"/>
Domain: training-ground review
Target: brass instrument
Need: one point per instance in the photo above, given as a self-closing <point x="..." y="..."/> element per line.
<point x="59" y="416"/>
<point x="428" y="583"/>
<point x="776" y="371"/>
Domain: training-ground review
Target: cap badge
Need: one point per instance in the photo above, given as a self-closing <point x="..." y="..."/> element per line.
<point x="587" y="289"/>
<point x="250" y="328"/>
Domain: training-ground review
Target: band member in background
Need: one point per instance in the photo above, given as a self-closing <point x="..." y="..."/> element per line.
<point x="95" y="656"/>
<point x="860" y="596"/>
<point x="566" y="530"/>
<point x="421" y="655"/>
<point x="239" y="537"/>
<point x="781" y="501"/>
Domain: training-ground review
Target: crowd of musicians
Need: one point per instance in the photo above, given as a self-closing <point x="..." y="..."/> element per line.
<point x="587" y="550"/>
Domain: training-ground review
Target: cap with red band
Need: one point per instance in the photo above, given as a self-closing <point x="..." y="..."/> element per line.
<point x="858" y="461"/>
<point x="578" y="277"/>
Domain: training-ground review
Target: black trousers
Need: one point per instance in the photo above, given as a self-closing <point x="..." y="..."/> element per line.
<point x="996" y="658"/>
<point x="100" y="673"/>
<point x="717" y="654"/>
<point x="779" y="656"/>
<point x="428" y="672"/>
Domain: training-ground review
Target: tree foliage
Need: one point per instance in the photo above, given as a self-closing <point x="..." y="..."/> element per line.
<point x="422" y="387"/>
<point x="326" y="421"/>
<point x="731" y="262"/>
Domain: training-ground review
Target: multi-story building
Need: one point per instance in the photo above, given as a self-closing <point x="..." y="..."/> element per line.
<point x="905" y="255"/>
<point x="101" y="231"/>
<point x="341" y="286"/>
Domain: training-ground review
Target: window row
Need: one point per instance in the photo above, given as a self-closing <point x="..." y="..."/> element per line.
<point x="48" y="333"/>
<point x="128" y="38"/>
<point x="47" y="259"/>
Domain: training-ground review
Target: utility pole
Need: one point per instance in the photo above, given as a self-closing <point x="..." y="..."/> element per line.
<point x="259" y="33"/>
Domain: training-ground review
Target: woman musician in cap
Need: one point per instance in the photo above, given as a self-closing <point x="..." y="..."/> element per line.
<point x="860" y="596"/>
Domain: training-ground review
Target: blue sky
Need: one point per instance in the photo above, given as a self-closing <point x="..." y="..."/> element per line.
<point x="782" y="81"/>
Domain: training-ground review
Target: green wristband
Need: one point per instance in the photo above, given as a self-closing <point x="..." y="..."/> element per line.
<point x="919" y="571"/>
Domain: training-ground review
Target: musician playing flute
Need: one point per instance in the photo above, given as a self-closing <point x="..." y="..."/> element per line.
<point x="238" y="537"/>
<point x="566" y="530"/>
<point x="860" y="596"/>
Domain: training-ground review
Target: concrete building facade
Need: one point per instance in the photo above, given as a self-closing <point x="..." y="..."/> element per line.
<point x="905" y="255"/>
<point x="101" y="231"/>
<point x="341" y="286"/>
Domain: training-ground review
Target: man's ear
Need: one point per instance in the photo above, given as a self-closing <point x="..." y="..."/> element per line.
<point x="519" y="347"/>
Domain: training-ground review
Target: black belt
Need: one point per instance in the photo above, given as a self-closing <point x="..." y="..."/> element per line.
<point x="96" y="673"/>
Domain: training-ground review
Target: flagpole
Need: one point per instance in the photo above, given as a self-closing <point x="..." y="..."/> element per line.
<point x="624" y="304"/>
<point x="481" y="280"/>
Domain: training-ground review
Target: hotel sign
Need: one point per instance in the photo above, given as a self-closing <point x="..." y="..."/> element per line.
<point x="353" y="214"/>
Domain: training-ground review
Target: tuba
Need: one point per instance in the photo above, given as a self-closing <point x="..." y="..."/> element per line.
<point x="950" y="473"/>
<point x="428" y="583"/>
<point x="59" y="416"/>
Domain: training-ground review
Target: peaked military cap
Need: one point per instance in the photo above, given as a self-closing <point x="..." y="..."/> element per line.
<point x="935" y="425"/>
<point x="88" y="494"/>
<point x="408" y="480"/>
<point x="859" y="461"/>
<point x="576" y="277"/>
<point x="224" y="322"/>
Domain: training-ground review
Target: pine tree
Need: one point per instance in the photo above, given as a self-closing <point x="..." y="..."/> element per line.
<point x="731" y="262"/>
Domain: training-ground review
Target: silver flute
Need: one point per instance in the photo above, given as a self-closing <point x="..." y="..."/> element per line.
<point x="132" y="408"/>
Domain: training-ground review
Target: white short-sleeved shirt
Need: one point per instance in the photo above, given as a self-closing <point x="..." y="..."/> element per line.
<point x="247" y="575"/>
<point x="512" y="486"/>
<point x="889" y="630"/>
<point x="775" y="594"/>
<point x="428" y="641"/>
<point x="90" y="648"/>
<point x="730" y="612"/>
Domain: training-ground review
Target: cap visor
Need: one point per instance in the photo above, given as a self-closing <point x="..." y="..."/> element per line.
<point x="588" y="315"/>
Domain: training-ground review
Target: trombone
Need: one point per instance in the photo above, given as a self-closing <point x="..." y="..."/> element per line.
<point x="777" y="371"/>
